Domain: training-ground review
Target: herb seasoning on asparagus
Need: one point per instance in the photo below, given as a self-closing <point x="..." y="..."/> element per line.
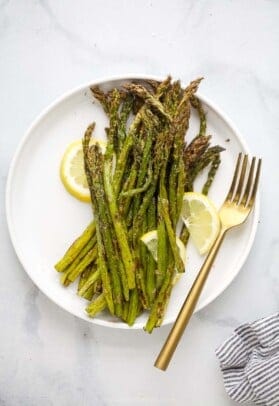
<point x="136" y="188"/>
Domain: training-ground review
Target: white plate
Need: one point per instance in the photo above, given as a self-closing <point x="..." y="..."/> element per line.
<point x="43" y="219"/>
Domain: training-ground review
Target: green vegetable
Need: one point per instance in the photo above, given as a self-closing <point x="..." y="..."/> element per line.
<point x="137" y="186"/>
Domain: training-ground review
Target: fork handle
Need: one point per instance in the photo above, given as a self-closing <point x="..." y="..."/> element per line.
<point x="188" y="307"/>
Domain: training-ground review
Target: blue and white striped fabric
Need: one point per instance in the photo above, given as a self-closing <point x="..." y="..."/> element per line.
<point x="249" y="361"/>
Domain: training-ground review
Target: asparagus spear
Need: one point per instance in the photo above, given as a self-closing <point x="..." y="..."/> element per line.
<point x="123" y="118"/>
<point x="181" y="180"/>
<point x="140" y="260"/>
<point x="151" y="264"/>
<point x="125" y="311"/>
<point x="76" y="248"/>
<point x="95" y="275"/>
<point x="177" y="132"/>
<point x="195" y="150"/>
<point x="84" y="276"/>
<point x="172" y="98"/>
<point x="171" y="235"/>
<point x="208" y="156"/>
<point x="88" y="295"/>
<point x="99" y="169"/>
<point x="158" y="306"/>
<point x="149" y="99"/>
<point x="195" y="102"/>
<point x="83" y="257"/>
<point x="192" y="155"/>
<point x="105" y="226"/>
<point x="112" y="131"/>
<point x="97" y="286"/>
<point x="153" y="84"/>
<point x="98" y="305"/>
<point x="162" y="248"/>
<point x="121" y="233"/>
<point x="101" y="97"/>
<point x="216" y="160"/>
<point x="125" y="201"/>
<point x="83" y="264"/>
<point x="164" y="208"/>
<point x="95" y="198"/>
<point x="138" y="190"/>
<point x="165" y="303"/>
<point x="110" y="237"/>
<point x="122" y="161"/>
<point x="133" y="307"/>
<point x="102" y="266"/>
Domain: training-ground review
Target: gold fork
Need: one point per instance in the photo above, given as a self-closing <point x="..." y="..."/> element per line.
<point x="234" y="211"/>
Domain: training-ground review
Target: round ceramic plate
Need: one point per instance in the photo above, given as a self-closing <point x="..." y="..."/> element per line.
<point x="44" y="219"/>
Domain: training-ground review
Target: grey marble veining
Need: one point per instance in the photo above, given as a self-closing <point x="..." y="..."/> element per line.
<point x="48" y="357"/>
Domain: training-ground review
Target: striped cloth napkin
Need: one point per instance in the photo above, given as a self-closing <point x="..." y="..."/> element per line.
<point x="249" y="362"/>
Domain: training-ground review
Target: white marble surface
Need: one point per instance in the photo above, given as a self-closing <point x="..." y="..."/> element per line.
<point x="48" y="357"/>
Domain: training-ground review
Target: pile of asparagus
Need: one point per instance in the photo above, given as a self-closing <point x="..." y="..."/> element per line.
<point x="137" y="186"/>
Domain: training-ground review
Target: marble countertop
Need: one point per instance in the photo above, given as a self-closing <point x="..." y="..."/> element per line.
<point x="48" y="357"/>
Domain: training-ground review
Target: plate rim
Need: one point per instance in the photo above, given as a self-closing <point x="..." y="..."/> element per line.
<point x="24" y="139"/>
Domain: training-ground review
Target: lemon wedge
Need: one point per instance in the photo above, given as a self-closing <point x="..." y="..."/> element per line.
<point x="72" y="169"/>
<point x="202" y="220"/>
<point x="150" y="239"/>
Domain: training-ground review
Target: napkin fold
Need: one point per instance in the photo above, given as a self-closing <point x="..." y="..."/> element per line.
<point x="249" y="362"/>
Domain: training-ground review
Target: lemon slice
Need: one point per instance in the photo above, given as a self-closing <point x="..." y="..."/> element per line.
<point x="150" y="239"/>
<point x="72" y="169"/>
<point x="202" y="220"/>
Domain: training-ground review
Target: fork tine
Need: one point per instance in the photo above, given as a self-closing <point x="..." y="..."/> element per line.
<point x="249" y="183"/>
<point x="241" y="180"/>
<point x="235" y="176"/>
<point x="255" y="186"/>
